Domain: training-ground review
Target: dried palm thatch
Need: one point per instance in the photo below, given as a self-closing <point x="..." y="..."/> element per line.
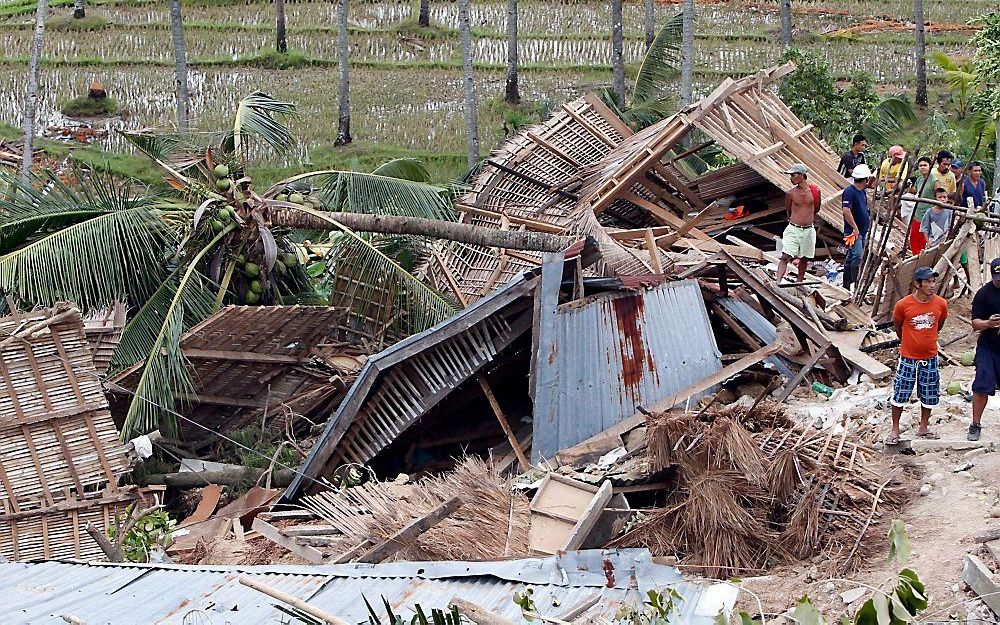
<point x="492" y="524"/>
<point x="756" y="489"/>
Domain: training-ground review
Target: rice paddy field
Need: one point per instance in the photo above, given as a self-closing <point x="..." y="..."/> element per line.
<point x="406" y="91"/>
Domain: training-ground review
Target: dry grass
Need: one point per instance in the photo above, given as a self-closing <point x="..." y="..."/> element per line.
<point x="756" y="489"/>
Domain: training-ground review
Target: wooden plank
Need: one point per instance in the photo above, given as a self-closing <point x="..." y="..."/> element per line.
<point x="67" y="456"/>
<point x="409" y="533"/>
<point x="654" y="253"/>
<point x="273" y="534"/>
<point x="589" y="518"/>
<point x="849" y="346"/>
<point x="693" y="198"/>
<point x="222" y="354"/>
<point x="668" y="240"/>
<point x="450" y="279"/>
<point x="803" y="371"/>
<point x="504" y="424"/>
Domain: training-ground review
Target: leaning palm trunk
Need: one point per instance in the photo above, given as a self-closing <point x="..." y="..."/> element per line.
<point x="921" y="52"/>
<point x="786" y="24"/>
<point x="180" y="65"/>
<point x="650" y="23"/>
<point x="289" y="217"/>
<point x="996" y="171"/>
<point x="687" y="53"/>
<point x="469" y="84"/>
<point x="279" y="11"/>
<point x="343" y="78"/>
<point x="511" y="93"/>
<point x="617" y="50"/>
<point x="31" y="96"/>
<point x="79" y="9"/>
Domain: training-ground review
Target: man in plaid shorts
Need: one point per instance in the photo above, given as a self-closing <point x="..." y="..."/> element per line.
<point x="918" y="318"/>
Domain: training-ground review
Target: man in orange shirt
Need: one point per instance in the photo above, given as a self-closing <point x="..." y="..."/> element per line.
<point x="918" y="318"/>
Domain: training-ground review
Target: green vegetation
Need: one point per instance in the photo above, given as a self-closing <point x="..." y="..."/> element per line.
<point x="85" y="106"/>
<point x="151" y="531"/>
<point x="69" y="24"/>
<point x="410" y="28"/>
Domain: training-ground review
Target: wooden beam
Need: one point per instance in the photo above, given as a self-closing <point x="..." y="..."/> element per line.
<point x="801" y="375"/>
<point x="406" y="535"/>
<point x="589" y="518"/>
<point x="693" y="198"/>
<point x="221" y="354"/>
<point x="504" y="424"/>
<point x="688" y="226"/>
<point x="273" y="534"/>
<point x="663" y="214"/>
<point x="654" y="253"/>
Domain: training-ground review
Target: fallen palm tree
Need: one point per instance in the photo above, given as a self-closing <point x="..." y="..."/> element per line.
<point x="756" y="489"/>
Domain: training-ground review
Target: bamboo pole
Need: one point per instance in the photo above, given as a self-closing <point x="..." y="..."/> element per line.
<point x="295" y="602"/>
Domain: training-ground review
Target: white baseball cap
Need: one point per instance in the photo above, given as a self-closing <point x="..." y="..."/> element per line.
<point x="861" y="172"/>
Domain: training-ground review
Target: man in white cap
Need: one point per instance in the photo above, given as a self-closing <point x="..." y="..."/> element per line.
<point x="799" y="239"/>
<point x="856" y="222"/>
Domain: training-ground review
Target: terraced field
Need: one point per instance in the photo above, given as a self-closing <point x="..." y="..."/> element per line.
<point x="406" y="93"/>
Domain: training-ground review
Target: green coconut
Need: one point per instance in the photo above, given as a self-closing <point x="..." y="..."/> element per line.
<point x="226" y="214"/>
<point x="256" y="286"/>
<point x="296" y="198"/>
<point x="241" y="259"/>
<point x="289" y="260"/>
<point x="969" y="358"/>
<point x="280" y="268"/>
<point x="222" y="171"/>
<point x="955" y="388"/>
<point x="252" y="297"/>
<point x="252" y="270"/>
<point x="281" y="197"/>
<point x="223" y="184"/>
<point x="217" y="225"/>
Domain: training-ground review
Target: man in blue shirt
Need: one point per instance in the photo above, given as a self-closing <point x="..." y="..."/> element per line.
<point x="856" y="222"/>
<point x="973" y="186"/>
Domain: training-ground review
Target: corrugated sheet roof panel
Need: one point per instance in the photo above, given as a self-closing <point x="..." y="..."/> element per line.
<point x="614" y="353"/>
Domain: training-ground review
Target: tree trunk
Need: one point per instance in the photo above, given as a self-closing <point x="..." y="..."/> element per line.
<point x="31" y="96"/>
<point x="180" y="65"/>
<point x="469" y="82"/>
<point x="687" y="53"/>
<point x="617" y="51"/>
<point x="786" y="24"/>
<point x="79" y="9"/>
<point x="435" y="228"/>
<point x="279" y="12"/>
<point x="650" y="22"/>
<point x="996" y="161"/>
<point x="424" y="16"/>
<point x="921" y="53"/>
<point x="511" y="93"/>
<point x="343" y="78"/>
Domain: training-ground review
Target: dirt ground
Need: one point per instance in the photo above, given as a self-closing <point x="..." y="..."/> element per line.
<point x="959" y="491"/>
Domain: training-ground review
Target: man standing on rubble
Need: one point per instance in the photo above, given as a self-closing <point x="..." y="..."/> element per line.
<point x="856" y="222"/>
<point x="986" y="321"/>
<point x="799" y="239"/>
<point x="853" y="157"/>
<point x="917" y="319"/>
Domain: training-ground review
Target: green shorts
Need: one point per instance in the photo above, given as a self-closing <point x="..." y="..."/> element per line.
<point x="799" y="242"/>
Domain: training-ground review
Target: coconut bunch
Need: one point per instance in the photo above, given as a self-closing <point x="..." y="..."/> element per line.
<point x="755" y="489"/>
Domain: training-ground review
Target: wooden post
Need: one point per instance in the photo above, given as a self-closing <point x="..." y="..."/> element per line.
<point x="511" y="438"/>
<point x="399" y="540"/>
<point x="295" y="602"/>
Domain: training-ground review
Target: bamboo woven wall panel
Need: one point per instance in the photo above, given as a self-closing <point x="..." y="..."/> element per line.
<point x="59" y="534"/>
<point x="103" y="331"/>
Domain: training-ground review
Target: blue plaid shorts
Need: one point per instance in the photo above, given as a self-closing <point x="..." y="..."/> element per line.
<point x="923" y="374"/>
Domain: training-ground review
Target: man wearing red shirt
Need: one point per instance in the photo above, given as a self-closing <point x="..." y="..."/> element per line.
<point x="917" y="319"/>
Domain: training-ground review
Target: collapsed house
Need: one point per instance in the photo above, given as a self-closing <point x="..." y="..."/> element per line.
<point x="60" y="457"/>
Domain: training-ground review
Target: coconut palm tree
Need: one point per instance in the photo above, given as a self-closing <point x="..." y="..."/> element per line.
<point x="921" y="53"/>
<point x="650" y="22"/>
<point x="31" y="94"/>
<point x="960" y="75"/>
<point x="79" y="9"/>
<point x="180" y="65"/>
<point x="469" y="84"/>
<point x="617" y="50"/>
<point x="511" y="93"/>
<point x="687" y="54"/>
<point x="343" y="78"/>
<point x="424" y="13"/>
<point x="786" y="24"/>
<point x="279" y="11"/>
<point x="176" y="256"/>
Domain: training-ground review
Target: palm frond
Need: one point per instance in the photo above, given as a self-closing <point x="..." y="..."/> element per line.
<point x="385" y="302"/>
<point x="661" y="63"/>
<point x="405" y="169"/>
<point x="155" y="143"/>
<point x="165" y="374"/>
<point x="112" y="256"/>
<point x="255" y="119"/>
<point x="888" y="121"/>
<point x="357" y="192"/>
<point x="942" y="60"/>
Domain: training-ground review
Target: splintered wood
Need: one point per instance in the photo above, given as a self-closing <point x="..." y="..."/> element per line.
<point x="756" y="489"/>
<point x="60" y="456"/>
<point x="491" y="524"/>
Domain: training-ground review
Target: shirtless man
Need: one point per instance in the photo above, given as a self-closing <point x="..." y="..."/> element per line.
<point x="799" y="238"/>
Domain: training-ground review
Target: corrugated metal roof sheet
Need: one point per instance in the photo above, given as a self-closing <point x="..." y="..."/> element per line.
<point x="597" y="360"/>
<point x="104" y="593"/>
<point x="758" y="326"/>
